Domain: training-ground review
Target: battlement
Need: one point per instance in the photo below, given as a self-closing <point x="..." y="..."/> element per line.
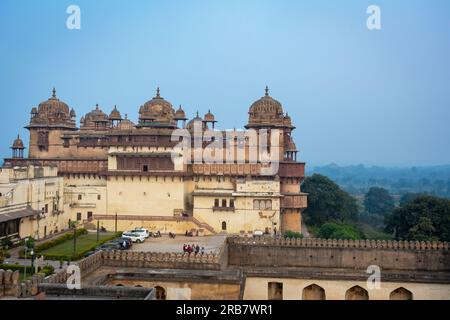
<point x="335" y="243"/>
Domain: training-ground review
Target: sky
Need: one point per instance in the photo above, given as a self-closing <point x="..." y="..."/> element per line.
<point x="376" y="97"/>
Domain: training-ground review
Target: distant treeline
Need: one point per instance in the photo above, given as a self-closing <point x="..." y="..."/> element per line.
<point x="358" y="179"/>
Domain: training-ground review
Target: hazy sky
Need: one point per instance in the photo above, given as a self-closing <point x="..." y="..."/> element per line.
<point x="355" y="96"/>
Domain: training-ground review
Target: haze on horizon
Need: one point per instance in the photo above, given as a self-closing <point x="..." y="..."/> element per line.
<point x="355" y="95"/>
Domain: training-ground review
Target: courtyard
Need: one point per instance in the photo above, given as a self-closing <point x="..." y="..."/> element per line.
<point x="212" y="244"/>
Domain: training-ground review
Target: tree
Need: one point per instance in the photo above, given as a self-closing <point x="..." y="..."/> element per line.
<point x="378" y="201"/>
<point x="333" y="230"/>
<point x="408" y="197"/>
<point x="327" y="202"/>
<point x="423" y="218"/>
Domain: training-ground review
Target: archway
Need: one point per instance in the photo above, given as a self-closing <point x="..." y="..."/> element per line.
<point x="275" y="290"/>
<point x="313" y="292"/>
<point x="356" y="293"/>
<point x="160" y="293"/>
<point x="401" y="294"/>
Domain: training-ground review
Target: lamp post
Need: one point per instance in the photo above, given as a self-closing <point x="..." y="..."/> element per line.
<point x="32" y="260"/>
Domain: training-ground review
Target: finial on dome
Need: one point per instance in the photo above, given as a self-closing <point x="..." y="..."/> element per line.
<point x="157" y="92"/>
<point x="197" y="113"/>
<point x="96" y="106"/>
<point x="267" y="91"/>
<point x="126" y="116"/>
<point x="54" y="92"/>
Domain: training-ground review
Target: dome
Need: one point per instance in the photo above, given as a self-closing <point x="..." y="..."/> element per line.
<point x="115" y="114"/>
<point x="96" y="115"/>
<point x="266" y="105"/>
<point x="157" y="110"/>
<point x="266" y="112"/>
<point x="180" y="114"/>
<point x="96" y="119"/>
<point x="54" y="106"/>
<point x="18" y="143"/>
<point x="52" y="112"/>
<point x="197" y="119"/>
<point x="125" y="124"/>
<point x="209" y="117"/>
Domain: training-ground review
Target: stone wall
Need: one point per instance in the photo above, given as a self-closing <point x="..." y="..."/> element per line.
<point x="98" y="291"/>
<point x="351" y="254"/>
<point x="10" y="285"/>
<point x="9" y="281"/>
<point x="161" y="260"/>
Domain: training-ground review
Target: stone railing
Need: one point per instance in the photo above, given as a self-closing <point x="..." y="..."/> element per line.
<point x="334" y="243"/>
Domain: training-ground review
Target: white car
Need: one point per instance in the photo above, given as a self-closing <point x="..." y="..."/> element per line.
<point x="134" y="237"/>
<point x="142" y="232"/>
<point x="258" y="233"/>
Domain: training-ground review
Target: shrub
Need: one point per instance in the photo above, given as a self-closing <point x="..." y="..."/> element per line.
<point x="292" y="234"/>
<point x="80" y="255"/>
<point x="54" y="242"/>
<point x="47" y="270"/>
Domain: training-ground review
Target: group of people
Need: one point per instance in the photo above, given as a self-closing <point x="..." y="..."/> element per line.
<point x="187" y="248"/>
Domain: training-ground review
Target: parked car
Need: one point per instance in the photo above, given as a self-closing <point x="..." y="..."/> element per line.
<point x="121" y="241"/>
<point x="110" y="246"/>
<point x="142" y="232"/>
<point x="258" y="233"/>
<point x="134" y="237"/>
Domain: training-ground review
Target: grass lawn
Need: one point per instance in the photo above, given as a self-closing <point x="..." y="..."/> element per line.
<point x="84" y="243"/>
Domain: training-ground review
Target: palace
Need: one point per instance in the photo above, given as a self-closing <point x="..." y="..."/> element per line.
<point x="122" y="175"/>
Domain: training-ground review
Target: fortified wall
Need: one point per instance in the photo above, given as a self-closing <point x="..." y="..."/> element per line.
<point x="345" y="254"/>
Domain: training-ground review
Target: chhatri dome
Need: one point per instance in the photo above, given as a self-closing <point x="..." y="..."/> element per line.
<point x="266" y="112"/>
<point x="115" y="114"/>
<point x="52" y="112"/>
<point x="157" y="112"/>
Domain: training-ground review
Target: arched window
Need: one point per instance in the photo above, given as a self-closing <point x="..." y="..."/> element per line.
<point x="268" y="204"/>
<point x="356" y="293"/>
<point x="255" y="204"/>
<point x="313" y="292"/>
<point x="224" y="225"/>
<point x="262" y="205"/>
<point x="401" y="294"/>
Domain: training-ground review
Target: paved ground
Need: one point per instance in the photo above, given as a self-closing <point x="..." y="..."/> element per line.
<point x="165" y="244"/>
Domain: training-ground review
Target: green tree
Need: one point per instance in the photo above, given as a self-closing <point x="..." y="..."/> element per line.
<point x="424" y="218"/>
<point x="333" y="230"/>
<point x="327" y="202"/>
<point x="378" y="201"/>
<point x="408" y="197"/>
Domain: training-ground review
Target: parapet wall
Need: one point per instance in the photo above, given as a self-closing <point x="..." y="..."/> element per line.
<point x="327" y="253"/>
<point x="161" y="260"/>
<point x="141" y="260"/>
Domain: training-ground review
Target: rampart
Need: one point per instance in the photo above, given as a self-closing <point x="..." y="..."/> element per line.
<point x="346" y="254"/>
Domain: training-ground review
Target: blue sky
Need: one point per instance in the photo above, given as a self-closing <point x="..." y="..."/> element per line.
<point x="356" y="96"/>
